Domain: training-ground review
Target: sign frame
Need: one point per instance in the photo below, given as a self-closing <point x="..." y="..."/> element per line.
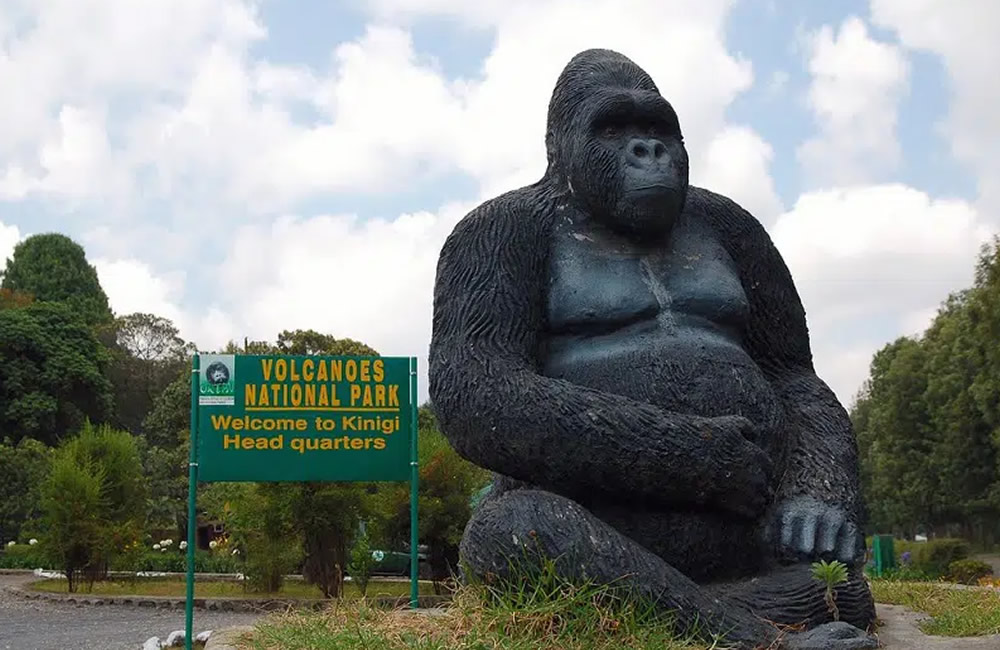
<point x="225" y="397"/>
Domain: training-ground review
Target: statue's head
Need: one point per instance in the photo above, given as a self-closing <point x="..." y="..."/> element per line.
<point x="616" y="143"/>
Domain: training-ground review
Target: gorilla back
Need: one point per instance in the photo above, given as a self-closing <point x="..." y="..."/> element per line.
<point x="630" y="357"/>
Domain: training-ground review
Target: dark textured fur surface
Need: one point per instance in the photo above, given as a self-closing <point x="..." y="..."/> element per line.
<point x="666" y="493"/>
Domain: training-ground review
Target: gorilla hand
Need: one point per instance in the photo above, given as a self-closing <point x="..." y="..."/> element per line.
<point x="805" y="526"/>
<point x="742" y="471"/>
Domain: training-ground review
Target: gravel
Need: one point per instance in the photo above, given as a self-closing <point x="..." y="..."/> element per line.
<point x="44" y="625"/>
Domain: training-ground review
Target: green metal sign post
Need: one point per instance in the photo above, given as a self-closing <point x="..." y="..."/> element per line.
<point x="302" y="418"/>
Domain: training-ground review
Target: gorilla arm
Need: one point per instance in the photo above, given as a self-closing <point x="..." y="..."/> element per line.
<point x="818" y="509"/>
<point x="500" y="413"/>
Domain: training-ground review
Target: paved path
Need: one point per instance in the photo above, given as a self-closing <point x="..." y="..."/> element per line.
<point x="44" y="625"/>
<point x="900" y="632"/>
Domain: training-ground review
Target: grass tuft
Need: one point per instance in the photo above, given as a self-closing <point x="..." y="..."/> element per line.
<point x="953" y="611"/>
<point x="543" y="613"/>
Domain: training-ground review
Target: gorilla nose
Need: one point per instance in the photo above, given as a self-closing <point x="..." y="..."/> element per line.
<point x="645" y="152"/>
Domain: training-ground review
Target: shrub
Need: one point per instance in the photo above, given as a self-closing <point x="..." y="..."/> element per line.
<point x="22" y="556"/>
<point x="935" y="556"/>
<point x="75" y="539"/>
<point x="362" y="562"/>
<point x="173" y="561"/>
<point x="94" y="502"/>
<point x="908" y="574"/>
<point x="968" y="571"/>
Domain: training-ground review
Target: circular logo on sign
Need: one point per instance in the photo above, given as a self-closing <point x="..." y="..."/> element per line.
<point x="217" y="373"/>
<point x="378" y="556"/>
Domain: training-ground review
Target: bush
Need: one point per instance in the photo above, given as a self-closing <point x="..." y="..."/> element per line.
<point x="935" y="556"/>
<point x="907" y="574"/>
<point x="76" y="538"/>
<point x="968" y="571"/>
<point x="22" y="556"/>
<point x="362" y="562"/>
<point x="94" y="502"/>
<point x="174" y="561"/>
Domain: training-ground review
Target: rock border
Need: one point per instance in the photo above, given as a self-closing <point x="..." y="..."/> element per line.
<point x="216" y="604"/>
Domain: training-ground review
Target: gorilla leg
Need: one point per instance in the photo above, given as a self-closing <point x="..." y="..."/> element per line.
<point x="511" y="527"/>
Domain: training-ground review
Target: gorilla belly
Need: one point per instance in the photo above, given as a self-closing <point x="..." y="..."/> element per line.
<point x="689" y="371"/>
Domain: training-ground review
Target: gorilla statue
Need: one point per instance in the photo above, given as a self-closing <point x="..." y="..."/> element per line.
<point x="629" y="356"/>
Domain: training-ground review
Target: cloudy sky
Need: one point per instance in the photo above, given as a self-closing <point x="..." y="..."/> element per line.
<point x="245" y="167"/>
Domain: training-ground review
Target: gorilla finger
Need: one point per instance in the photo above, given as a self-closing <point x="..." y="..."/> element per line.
<point x="807" y="533"/>
<point x="847" y="548"/>
<point x="789" y="525"/>
<point x="829" y="532"/>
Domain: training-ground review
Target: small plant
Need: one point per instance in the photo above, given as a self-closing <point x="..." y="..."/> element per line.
<point x="362" y="562"/>
<point x="830" y="574"/>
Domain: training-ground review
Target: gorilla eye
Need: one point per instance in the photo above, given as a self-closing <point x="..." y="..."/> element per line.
<point x="610" y="131"/>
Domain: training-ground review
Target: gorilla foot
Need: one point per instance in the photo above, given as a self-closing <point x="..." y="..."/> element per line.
<point x="533" y="524"/>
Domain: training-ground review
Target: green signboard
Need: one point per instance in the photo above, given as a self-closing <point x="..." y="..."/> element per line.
<point x="301" y="418"/>
<point x="304" y="418"/>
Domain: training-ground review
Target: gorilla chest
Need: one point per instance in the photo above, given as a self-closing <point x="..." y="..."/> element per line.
<point x="601" y="284"/>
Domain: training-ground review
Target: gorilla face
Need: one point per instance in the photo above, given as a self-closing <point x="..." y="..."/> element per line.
<point x="618" y="145"/>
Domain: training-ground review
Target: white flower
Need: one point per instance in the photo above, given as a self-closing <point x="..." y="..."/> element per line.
<point x="163" y="549"/>
<point x="156" y="547"/>
<point x="183" y="545"/>
<point x="32" y="541"/>
<point x="213" y="544"/>
<point x="236" y="551"/>
<point x="11" y="543"/>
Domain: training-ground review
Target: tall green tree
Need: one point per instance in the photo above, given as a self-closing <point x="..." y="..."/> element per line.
<point x="928" y="419"/>
<point x="52" y="373"/>
<point x="54" y="268"/>
<point x="147" y="354"/>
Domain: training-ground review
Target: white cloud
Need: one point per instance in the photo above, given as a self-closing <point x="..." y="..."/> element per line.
<point x="72" y="61"/>
<point x="368" y="280"/>
<point x="857" y="84"/>
<point x="963" y="34"/>
<point x="872" y="263"/>
<point x="736" y="164"/>
<point x="132" y="286"/>
<point x="9" y="236"/>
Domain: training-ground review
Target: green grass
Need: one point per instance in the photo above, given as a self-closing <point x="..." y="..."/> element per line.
<point x="219" y="589"/>
<point x="953" y="612"/>
<point x="549" y="615"/>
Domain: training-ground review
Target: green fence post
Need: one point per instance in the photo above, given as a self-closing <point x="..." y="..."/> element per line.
<point x="414" y="493"/>
<point x="192" y="523"/>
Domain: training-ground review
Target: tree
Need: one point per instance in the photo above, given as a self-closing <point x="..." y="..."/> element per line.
<point x="94" y="501"/>
<point x="147" y="354"/>
<point x="52" y="373"/>
<point x="928" y="421"/>
<point x="327" y="514"/>
<point x="168" y="422"/>
<point x="23" y="469"/>
<point x="447" y="485"/>
<point x="53" y="268"/>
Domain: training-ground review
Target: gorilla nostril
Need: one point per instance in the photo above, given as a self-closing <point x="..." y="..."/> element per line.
<point x="639" y="150"/>
<point x="659" y="150"/>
